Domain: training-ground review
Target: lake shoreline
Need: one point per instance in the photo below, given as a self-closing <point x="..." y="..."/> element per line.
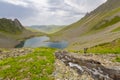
<point x="41" y="41"/>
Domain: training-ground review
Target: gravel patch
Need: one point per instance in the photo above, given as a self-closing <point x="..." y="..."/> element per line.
<point x="14" y="52"/>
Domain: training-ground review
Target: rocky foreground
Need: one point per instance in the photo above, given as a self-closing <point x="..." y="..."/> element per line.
<point x="86" y="67"/>
<point x="71" y="66"/>
<point x="14" y="52"/>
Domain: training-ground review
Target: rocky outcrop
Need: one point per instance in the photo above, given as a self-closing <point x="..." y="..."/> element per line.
<point x="63" y="72"/>
<point x="18" y="24"/>
<point x="94" y="68"/>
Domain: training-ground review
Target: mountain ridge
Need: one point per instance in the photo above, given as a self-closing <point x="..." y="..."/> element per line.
<point x="10" y="26"/>
<point x="12" y="32"/>
<point x="93" y="29"/>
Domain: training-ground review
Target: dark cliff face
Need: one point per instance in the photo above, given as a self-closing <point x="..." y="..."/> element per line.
<point x="10" y="26"/>
<point x="18" y="24"/>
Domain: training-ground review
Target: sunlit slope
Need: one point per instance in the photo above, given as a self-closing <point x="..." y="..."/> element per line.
<point x="95" y="28"/>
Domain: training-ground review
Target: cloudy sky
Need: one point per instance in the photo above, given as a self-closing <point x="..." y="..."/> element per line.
<point x="46" y="12"/>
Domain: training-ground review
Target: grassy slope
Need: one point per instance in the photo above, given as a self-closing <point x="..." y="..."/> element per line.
<point x="34" y="66"/>
<point x="11" y="33"/>
<point x="95" y="28"/>
<point x="10" y="40"/>
<point x="9" y="26"/>
<point x="107" y="48"/>
<point x="111" y="47"/>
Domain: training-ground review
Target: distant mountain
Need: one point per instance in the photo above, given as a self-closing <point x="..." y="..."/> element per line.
<point x="12" y="33"/>
<point x="10" y="26"/>
<point x="48" y="28"/>
<point x="99" y="26"/>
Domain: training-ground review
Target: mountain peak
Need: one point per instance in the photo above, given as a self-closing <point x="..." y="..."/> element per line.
<point x="9" y="25"/>
<point x="17" y="23"/>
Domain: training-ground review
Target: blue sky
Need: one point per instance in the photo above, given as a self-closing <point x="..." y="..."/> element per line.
<point x="47" y="12"/>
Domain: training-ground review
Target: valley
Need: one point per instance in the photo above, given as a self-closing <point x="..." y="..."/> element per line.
<point x="93" y="29"/>
<point x="48" y="29"/>
<point x="88" y="49"/>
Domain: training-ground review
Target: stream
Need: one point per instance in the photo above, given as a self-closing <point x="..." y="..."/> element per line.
<point x="94" y="68"/>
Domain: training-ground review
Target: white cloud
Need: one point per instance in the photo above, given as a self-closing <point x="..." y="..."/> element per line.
<point x="55" y="11"/>
<point x="16" y="2"/>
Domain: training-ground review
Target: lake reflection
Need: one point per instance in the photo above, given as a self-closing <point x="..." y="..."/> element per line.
<point x="42" y="42"/>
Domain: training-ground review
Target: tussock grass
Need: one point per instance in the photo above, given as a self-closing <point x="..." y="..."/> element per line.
<point x="34" y="66"/>
<point x="117" y="59"/>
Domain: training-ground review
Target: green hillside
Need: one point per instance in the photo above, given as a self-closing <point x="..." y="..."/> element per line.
<point x="9" y="26"/>
<point x="104" y="48"/>
<point x="12" y="33"/>
<point x="97" y="27"/>
<point x="111" y="47"/>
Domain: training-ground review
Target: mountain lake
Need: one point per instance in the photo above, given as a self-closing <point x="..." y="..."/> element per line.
<point x="42" y="42"/>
